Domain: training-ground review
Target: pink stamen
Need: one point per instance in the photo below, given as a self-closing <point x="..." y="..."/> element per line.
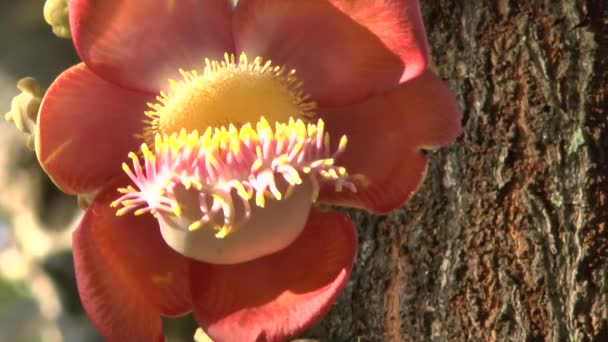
<point x="228" y="164"/>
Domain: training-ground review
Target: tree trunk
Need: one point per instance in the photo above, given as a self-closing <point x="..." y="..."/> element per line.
<point x="508" y="237"/>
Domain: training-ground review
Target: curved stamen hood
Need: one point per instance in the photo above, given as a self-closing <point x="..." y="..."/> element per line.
<point x="203" y="188"/>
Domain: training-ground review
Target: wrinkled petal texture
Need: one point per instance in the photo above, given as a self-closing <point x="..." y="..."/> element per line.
<point x="337" y="59"/>
<point x="127" y="276"/>
<point x="86" y="128"/>
<point x="142" y="43"/>
<point x="280" y="295"/>
<point x="385" y="135"/>
<point x="398" y="24"/>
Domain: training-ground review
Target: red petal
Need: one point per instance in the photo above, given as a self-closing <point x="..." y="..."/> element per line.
<point x="385" y="134"/>
<point x="127" y="276"/>
<point x="142" y="43"/>
<point x="398" y="24"/>
<point x="86" y="128"/>
<point x="280" y="295"/>
<point x="338" y="60"/>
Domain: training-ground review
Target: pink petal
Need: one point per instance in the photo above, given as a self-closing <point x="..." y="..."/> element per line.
<point x="338" y="59"/>
<point x="127" y="276"/>
<point x="385" y="136"/>
<point x="86" y="128"/>
<point x="398" y="24"/>
<point x="142" y="43"/>
<point x="280" y="295"/>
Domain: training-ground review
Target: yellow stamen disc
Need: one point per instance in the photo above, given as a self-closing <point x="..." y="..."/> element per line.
<point x="228" y="92"/>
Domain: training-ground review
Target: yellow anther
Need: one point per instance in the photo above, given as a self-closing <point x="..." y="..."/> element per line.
<point x="126" y="168"/>
<point x="122" y="211"/>
<point x="126" y="190"/>
<point x="312" y="130"/>
<point x="147" y="153"/>
<point x="263" y="127"/>
<point x="301" y="131"/>
<point x="257" y="164"/>
<point x="327" y="174"/>
<point x="258" y="152"/>
<point x="223" y="232"/>
<point x="177" y="211"/>
<point x="240" y="190"/>
<point x="212" y="160"/>
<point x="133" y="156"/>
<point x="294" y="178"/>
<point x="333" y="174"/>
<point x="194" y="226"/>
<point x="343" y="142"/>
<point x="321" y="126"/>
<point x="260" y="201"/>
<point x="297" y="148"/>
<point x="140" y="212"/>
<point x="283" y="159"/>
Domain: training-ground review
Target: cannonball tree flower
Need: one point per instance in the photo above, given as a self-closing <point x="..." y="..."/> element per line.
<point x="206" y="154"/>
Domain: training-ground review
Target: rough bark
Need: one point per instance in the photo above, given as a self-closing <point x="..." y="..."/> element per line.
<point x="507" y="239"/>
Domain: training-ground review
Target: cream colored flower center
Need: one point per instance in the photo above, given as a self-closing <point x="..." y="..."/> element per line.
<point x="234" y="162"/>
